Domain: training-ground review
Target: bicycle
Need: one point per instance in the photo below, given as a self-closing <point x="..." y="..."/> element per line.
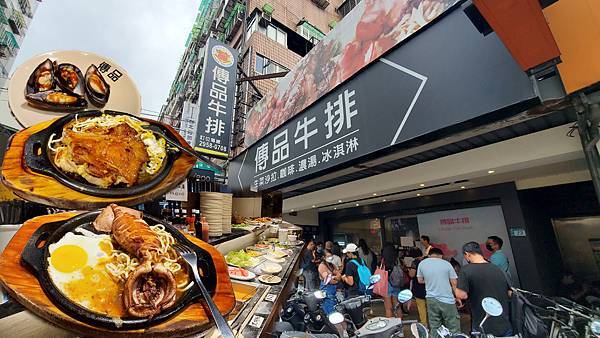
<point x="565" y="319"/>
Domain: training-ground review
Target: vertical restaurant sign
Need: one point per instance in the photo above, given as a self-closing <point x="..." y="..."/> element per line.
<point x="216" y="101"/>
<point x="371" y="29"/>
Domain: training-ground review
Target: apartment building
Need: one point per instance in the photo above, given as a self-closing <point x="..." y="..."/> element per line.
<point x="15" y="17"/>
<point x="271" y="36"/>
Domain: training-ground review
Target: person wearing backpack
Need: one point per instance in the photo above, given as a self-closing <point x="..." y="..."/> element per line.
<point x="389" y="262"/>
<point x="356" y="273"/>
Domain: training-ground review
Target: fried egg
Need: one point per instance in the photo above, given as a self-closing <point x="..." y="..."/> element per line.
<point x="72" y="253"/>
<point x="77" y="266"/>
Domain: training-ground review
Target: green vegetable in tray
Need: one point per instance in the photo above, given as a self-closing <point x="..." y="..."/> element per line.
<point x="240" y="258"/>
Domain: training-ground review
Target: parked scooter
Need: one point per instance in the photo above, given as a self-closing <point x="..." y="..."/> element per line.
<point x="304" y="313"/>
<point x="492" y="308"/>
<point x="378" y="327"/>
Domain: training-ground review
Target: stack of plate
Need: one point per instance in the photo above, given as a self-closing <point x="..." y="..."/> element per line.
<point x="211" y="206"/>
<point x="227" y="208"/>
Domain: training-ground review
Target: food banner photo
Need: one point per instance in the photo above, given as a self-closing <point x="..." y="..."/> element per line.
<point x="216" y="101"/>
<point x="372" y="28"/>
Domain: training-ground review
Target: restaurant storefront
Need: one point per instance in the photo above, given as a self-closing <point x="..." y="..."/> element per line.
<point x="450" y="133"/>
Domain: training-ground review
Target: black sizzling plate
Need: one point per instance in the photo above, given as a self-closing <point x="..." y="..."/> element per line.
<point x="38" y="158"/>
<point x="35" y="257"/>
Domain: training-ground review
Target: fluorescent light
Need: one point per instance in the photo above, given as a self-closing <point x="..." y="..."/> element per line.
<point x="374" y="194"/>
<point x="462" y="187"/>
<point x="491" y="171"/>
<point x="418" y="194"/>
<point x="422" y="185"/>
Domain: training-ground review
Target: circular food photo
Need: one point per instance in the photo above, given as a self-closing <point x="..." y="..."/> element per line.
<point x="56" y="83"/>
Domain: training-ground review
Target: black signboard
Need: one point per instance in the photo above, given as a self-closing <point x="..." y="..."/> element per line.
<point x="217" y="96"/>
<point x="447" y="74"/>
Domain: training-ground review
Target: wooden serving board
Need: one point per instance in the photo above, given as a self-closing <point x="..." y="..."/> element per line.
<point x="25" y="288"/>
<point x="46" y="190"/>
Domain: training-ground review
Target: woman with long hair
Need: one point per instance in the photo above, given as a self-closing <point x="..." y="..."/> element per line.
<point x="365" y="253"/>
<point x="389" y="260"/>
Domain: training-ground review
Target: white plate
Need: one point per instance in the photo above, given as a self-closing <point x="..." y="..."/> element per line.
<point x="274" y="259"/>
<point x="269" y="279"/>
<point x="124" y="95"/>
<point x="271" y="268"/>
<point x="251" y="275"/>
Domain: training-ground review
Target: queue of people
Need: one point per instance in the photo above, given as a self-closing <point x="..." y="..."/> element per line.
<point x="440" y="287"/>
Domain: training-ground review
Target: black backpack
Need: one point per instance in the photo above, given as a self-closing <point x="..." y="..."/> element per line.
<point x="524" y="319"/>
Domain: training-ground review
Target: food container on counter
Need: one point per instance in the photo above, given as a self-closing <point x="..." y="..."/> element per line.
<point x="227" y="210"/>
<point x="283" y="235"/>
<point x="211" y="207"/>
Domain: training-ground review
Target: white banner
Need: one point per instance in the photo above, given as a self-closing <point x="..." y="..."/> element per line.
<point x="189" y="121"/>
<point x="450" y="230"/>
<point x="180" y="193"/>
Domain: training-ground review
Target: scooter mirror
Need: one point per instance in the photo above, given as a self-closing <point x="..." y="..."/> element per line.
<point x="336" y="318"/>
<point x="404" y="296"/>
<point x="595" y="327"/>
<point x="419" y="330"/>
<point x="320" y="294"/>
<point x="491" y="306"/>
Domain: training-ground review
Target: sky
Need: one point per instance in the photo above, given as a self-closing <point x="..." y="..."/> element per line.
<point x="146" y="37"/>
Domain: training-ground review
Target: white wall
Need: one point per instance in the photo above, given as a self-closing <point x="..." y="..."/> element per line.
<point x="304" y="217"/>
<point x="247" y="206"/>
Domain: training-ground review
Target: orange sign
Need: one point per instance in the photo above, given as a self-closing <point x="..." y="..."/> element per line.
<point x="576" y="29"/>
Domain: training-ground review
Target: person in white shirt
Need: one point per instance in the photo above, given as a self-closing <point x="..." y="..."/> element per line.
<point x="426" y="245"/>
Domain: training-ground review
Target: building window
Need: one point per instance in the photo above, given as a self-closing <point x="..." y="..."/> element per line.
<point x="269" y="29"/>
<point x="346" y="7"/>
<point x="264" y="65"/>
<point x="276" y="34"/>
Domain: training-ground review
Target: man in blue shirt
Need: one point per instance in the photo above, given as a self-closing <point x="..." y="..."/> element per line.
<point x="498" y="258"/>
<point x="440" y="280"/>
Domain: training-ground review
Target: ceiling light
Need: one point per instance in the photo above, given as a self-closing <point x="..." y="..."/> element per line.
<point x="374" y="194"/>
<point x="462" y="187"/>
<point x="314" y="206"/>
<point x="335" y="208"/>
<point x="384" y="199"/>
<point x="491" y="171"/>
<point x="292" y="210"/>
<point x="357" y="204"/>
<point x="339" y="201"/>
<point x="422" y="185"/>
<point x="418" y="194"/>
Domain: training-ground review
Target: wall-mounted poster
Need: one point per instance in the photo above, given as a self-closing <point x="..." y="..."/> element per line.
<point x="450" y="229"/>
